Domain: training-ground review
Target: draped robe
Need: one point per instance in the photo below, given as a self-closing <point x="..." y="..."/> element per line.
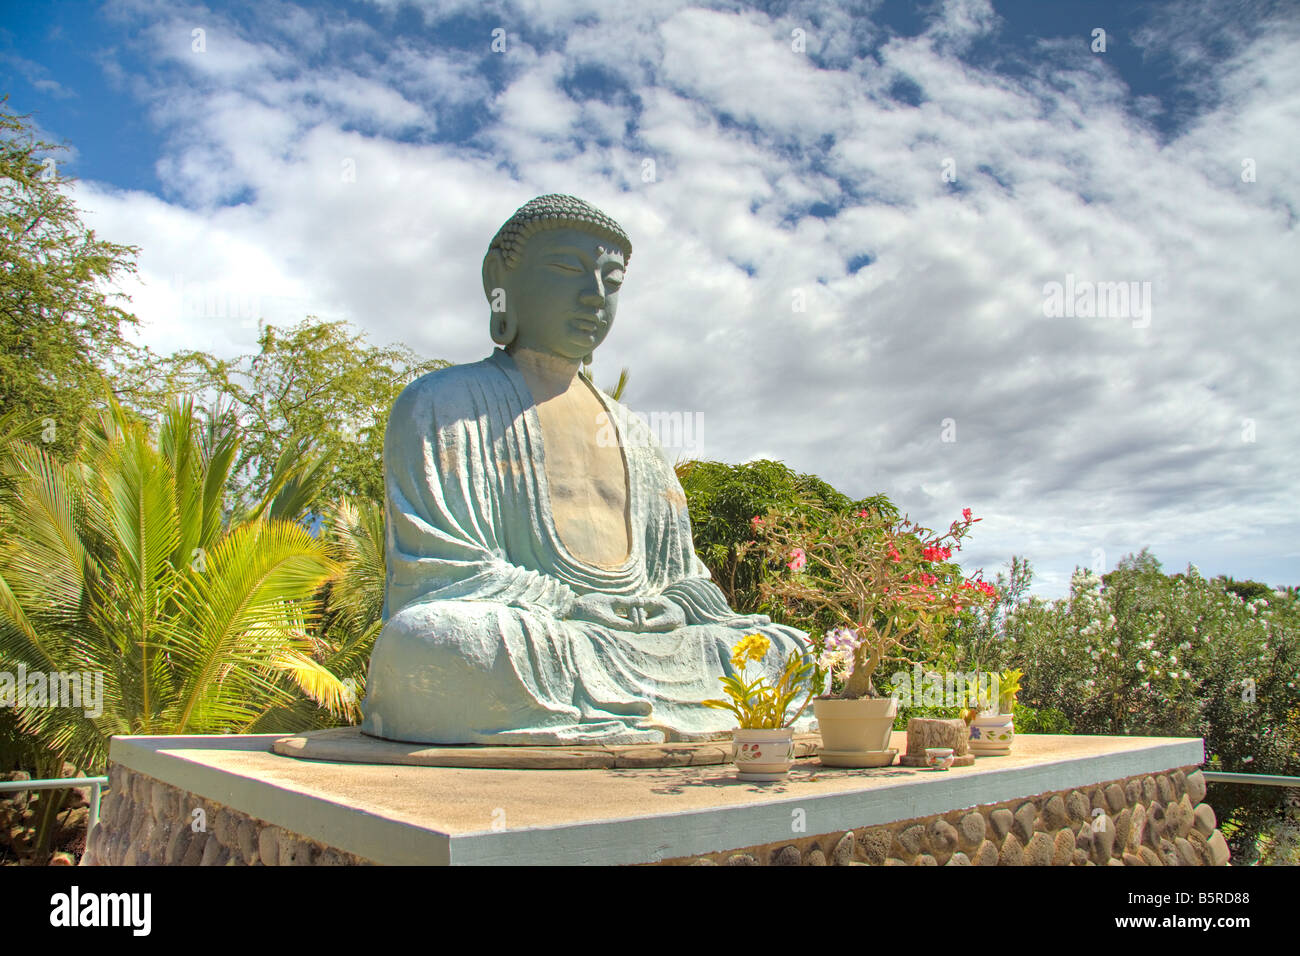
<point x="476" y="645"/>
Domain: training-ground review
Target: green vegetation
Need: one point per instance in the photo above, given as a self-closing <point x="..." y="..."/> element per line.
<point x="1139" y="652"/>
<point x="59" y="331"/>
<point x="723" y="501"/>
<point x="319" y="382"/>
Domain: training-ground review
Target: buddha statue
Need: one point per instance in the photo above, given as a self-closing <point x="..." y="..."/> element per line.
<point x="542" y="587"/>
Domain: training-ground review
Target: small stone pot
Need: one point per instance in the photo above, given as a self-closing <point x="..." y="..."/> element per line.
<point x="992" y="735"/>
<point x="763" y="755"/>
<point x="939" y="758"/>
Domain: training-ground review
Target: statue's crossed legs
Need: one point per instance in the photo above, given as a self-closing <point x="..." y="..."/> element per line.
<point x="481" y="672"/>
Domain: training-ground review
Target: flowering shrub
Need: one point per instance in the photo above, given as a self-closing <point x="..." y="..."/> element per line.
<point x="886" y="586"/>
<point x="1143" y="653"/>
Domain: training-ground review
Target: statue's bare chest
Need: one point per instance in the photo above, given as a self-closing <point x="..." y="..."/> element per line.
<point x="586" y="477"/>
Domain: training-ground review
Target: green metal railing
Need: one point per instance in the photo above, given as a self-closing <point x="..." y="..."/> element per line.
<point x="96" y="785"/>
<point x="1259" y="779"/>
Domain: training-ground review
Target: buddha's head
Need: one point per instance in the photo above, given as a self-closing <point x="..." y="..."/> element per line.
<point x="552" y="275"/>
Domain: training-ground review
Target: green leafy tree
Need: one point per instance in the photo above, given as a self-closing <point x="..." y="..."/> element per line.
<point x="59" y="327"/>
<point x="723" y="501"/>
<point x="318" y="382"/>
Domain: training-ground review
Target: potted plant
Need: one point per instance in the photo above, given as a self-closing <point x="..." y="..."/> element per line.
<point x="993" y="731"/>
<point x="855" y="731"/>
<point x="763" y="745"/>
<point x="888" y="586"/>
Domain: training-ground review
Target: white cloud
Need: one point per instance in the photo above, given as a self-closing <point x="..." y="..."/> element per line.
<point x="1072" y="433"/>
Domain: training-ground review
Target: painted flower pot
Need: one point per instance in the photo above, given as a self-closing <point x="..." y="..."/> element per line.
<point x="939" y="758"/>
<point x="851" y="729"/>
<point x="992" y="735"/>
<point x="763" y="754"/>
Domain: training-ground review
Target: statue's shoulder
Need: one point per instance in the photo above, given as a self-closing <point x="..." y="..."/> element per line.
<point x="448" y="391"/>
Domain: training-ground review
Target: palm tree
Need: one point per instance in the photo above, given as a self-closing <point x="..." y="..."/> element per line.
<point x="354" y="598"/>
<point x="122" y="565"/>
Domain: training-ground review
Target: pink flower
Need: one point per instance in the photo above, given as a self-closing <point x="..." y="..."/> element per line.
<point x="797" y="559"/>
<point x="863" y="514"/>
<point x="965" y="513"/>
<point x="756" y="521"/>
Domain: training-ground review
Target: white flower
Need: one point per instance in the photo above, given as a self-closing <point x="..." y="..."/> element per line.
<point x="1141" y="666"/>
<point x="1186" y="675"/>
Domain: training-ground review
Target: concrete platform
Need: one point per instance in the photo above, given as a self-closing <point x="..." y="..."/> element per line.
<point x="457" y="815"/>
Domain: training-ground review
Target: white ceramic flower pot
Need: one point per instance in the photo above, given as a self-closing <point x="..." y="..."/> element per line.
<point x="853" y="729"/>
<point x="763" y="754"/>
<point x="992" y="735"/>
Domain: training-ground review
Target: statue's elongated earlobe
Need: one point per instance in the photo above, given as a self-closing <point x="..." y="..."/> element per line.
<point x="586" y="359"/>
<point x="504" y="328"/>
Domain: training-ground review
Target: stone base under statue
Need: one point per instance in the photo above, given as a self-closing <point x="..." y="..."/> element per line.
<point x="350" y="745"/>
<point x="1069" y="800"/>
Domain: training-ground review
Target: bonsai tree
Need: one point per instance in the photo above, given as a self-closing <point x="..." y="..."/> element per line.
<point x="888" y="583"/>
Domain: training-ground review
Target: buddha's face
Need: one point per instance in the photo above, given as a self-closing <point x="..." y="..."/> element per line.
<point x="564" y="292"/>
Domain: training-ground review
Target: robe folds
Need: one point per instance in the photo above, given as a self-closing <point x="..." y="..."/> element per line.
<point x="476" y="645"/>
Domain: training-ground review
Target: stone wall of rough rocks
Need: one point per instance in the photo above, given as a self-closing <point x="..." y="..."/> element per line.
<point x="1157" y="820"/>
<point x="145" y="822"/>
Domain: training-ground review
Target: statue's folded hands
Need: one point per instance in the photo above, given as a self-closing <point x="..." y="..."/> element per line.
<point x="641" y="615"/>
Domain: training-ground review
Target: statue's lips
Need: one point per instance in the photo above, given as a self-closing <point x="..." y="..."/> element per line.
<point x="586" y="322"/>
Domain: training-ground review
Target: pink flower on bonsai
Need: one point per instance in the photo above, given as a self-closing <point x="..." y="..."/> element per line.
<point x="860" y="574"/>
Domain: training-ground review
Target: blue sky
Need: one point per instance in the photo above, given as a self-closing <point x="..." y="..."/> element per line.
<point x="846" y="219"/>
